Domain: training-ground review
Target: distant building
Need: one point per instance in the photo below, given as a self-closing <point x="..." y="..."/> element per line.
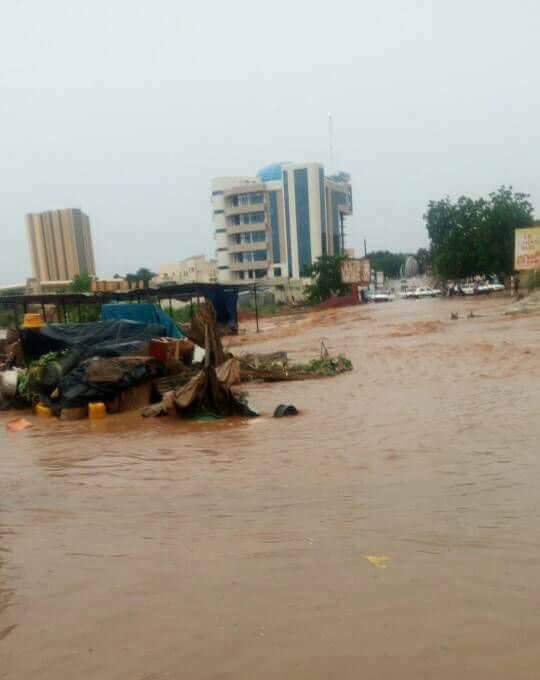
<point x="195" y="269"/>
<point x="113" y="285"/>
<point x="277" y="224"/>
<point x="60" y="244"/>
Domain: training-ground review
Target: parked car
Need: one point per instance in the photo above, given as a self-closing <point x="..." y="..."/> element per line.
<point x="495" y="285"/>
<point x="421" y="293"/>
<point x="380" y="296"/>
<point x="483" y="288"/>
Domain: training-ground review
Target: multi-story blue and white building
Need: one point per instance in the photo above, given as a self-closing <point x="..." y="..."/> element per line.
<point x="275" y="225"/>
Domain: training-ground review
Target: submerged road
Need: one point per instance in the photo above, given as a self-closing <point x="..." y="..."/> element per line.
<point x="136" y="549"/>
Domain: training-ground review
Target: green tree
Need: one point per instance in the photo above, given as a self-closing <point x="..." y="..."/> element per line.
<point x="476" y="236"/>
<point x="82" y="283"/>
<point x="387" y="262"/>
<point x="142" y="274"/>
<point x="7" y="315"/>
<point x="423" y="257"/>
<point x="326" y="279"/>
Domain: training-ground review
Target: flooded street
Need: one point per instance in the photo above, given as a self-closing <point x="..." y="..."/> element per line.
<point x="136" y="549"/>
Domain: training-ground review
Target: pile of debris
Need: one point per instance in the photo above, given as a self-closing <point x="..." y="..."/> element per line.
<point x="208" y="391"/>
<point x="64" y="370"/>
<point x="275" y="367"/>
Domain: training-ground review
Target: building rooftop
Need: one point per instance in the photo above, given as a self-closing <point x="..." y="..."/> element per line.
<point x="272" y="172"/>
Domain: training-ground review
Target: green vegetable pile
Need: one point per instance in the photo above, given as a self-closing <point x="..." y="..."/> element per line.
<point x="327" y="365"/>
<point x="27" y="381"/>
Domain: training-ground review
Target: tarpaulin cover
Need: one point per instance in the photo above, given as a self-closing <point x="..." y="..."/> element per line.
<point x="143" y="313"/>
<point x="101" y="380"/>
<point x="225" y="303"/>
<point x="103" y="338"/>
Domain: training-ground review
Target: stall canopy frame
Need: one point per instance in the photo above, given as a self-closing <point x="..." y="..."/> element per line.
<point x="183" y="292"/>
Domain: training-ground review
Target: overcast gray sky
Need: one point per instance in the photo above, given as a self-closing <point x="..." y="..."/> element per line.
<point x="128" y="108"/>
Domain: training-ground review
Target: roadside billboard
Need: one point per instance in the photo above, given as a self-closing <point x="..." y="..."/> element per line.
<point x="527" y="251"/>
<point x="356" y="270"/>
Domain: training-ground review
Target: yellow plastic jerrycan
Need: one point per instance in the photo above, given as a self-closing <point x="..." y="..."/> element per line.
<point x="43" y="411"/>
<point x="97" y="410"/>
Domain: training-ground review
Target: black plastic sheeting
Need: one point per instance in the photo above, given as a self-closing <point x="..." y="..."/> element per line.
<point x="77" y="389"/>
<point x="103" y="338"/>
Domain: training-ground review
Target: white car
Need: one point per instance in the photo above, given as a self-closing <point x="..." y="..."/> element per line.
<point x="421" y="293"/>
<point x="484" y="288"/>
<point x="380" y="296"/>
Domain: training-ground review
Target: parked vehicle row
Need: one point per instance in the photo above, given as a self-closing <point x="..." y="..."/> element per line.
<point x="480" y="288"/>
<point x="423" y="292"/>
<point x="420" y="293"/>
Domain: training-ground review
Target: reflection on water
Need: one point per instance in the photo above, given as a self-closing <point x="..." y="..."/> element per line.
<point x="136" y="549"/>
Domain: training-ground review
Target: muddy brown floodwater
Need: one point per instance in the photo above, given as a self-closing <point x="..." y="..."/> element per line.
<point x="153" y="549"/>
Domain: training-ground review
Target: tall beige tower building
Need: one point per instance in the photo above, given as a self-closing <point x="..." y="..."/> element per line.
<point x="60" y="244"/>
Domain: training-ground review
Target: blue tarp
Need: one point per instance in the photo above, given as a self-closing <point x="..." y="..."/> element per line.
<point x="143" y="313"/>
<point x="225" y="303"/>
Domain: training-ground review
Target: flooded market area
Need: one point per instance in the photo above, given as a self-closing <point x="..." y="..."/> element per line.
<point x="157" y="549"/>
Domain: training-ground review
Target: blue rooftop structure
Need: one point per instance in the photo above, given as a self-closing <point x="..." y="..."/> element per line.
<point x="272" y="172"/>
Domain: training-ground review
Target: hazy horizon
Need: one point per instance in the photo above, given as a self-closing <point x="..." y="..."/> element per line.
<point x="127" y="110"/>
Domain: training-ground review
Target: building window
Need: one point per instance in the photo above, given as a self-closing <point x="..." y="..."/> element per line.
<point x="224" y="267"/>
<point x="256" y="198"/>
<point x="247" y="237"/>
<point x="274" y="224"/>
<point x="221" y="250"/>
<point x="219" y="212"/>
<point x="301" y="192"/>
<point x="248" y="199"/>
<point x="256" y="217"/>
<point x="220" y="231"/>
<point x="247" y="218"/>
<point x="218" y="192"/>
<point x="260" y="273"/>
<point x="277" y="272"/>
<point x="250" y="256"/>
<point x="287" y="219"/>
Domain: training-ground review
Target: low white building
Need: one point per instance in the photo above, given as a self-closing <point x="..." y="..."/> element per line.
<point x="196" y="269"/>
